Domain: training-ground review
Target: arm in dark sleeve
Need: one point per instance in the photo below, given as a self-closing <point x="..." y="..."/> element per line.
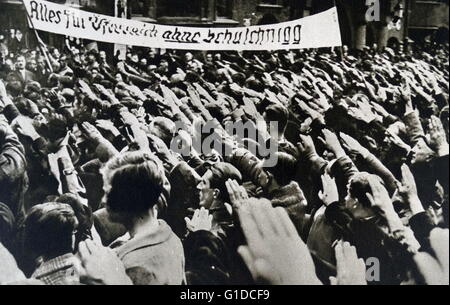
<point x="422" y="225"/>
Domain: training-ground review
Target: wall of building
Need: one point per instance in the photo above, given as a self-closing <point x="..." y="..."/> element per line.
<point x="420" y="17"/>
<point x="428" y="17"/>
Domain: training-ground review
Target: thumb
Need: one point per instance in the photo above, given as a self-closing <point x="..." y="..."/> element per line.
<point x="188" y="221"/>
<point x="229" y="209"/>
<point x="321" y="196"/>
<point x="266" y="273"/>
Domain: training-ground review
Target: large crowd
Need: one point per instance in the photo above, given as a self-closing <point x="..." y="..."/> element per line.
<point x="94" y="191"/>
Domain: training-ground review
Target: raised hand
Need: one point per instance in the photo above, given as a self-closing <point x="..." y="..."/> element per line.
<point x="107" y="126"/>
<point x="330" y="192"/>
<point x="275" y="253"/>
<point x="24" y="126"/>
<point x="407" y="190"/>
<point x="438" y="139"/>
<point x="100" y="265"/>
<point x="331" y="141"/>
<point x="306" y="145"/>
<point x="201" y="221"/>
<point x="91" y="132"/>
<point x="353" y="146"/>
<point x="238" y="194"/>
<point x="435" y="270"/>
<point x="379" y="198"/>
<point x="350" y="269"/>
<point x="9" y="271"/>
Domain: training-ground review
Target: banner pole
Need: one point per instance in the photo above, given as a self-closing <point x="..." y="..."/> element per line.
<point x="342" y="49"/>
<point x="39" y="40"/>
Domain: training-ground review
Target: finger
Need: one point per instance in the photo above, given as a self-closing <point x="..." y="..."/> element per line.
<point x="204" y="213"/>
<point x="286" y="224"/>
<point x="243" y="192"/>
<point x="187" y="220"/>
<point x="430" y="269"/>
<point x="249" y="227"/>
<point x="350" y="252"/>
<point x="266" y="273"/>
<point x="439" y="239"/>
<point x="210" y="219"/>
<point x="230" y="191"/>
<point x="266" y="219"/>
<point x="371" y="199"/>
<point x="90" y="246"/>
<point x="83" y="250"/>
<point x="322" y="140"/>
<point x="248" y="259"/>
<point x="339" y="252"/>
<point x="321" y="195"/>
<point x="196" y="214"/>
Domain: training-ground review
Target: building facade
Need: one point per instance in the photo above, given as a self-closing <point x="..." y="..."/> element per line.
<point x="396" y="19"/>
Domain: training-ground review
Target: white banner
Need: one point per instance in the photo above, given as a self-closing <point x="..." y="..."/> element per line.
<point x="316" y="31"/>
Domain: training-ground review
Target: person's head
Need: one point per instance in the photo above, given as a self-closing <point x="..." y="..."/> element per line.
<point x="209" y="58"/>
<point x="63" y="61"/>
<point x="163" y="128"/>
<point x="40" y="61"/>
<point x="49" y="230"/>
<point x="92" y="56"/>
<point x="151" y="53"/>
<point x="279" y="175"/>
<point x="279" y="114"/>
<point x="20" y="62"/>
<point x="32" y="65"/>
<point x="14" y="88"/>
<point x="133" y="184"/>
<point x="212" y="187"/>
<point x="102" y="56"/>
<point x="164" y="64"/>
<point x="188" y="57"/>
<point x="19" y="35"/>
<point x="55" y="53"/>
<point x="134" y="58"/>
<point x="356" y="201"/>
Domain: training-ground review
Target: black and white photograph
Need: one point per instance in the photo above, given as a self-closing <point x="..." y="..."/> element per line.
<point x="224" y="143"/>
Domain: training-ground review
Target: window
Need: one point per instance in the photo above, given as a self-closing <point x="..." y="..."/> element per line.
<point x="181" y="8"/>
<point x="137" y="8"/>
<point x="224" y="8"/>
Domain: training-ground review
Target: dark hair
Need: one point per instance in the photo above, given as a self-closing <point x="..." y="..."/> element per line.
<point x="136" y="182"/>
<point x="285" y="168"/>
<point x="48" y="229"/>
<point x="83" y="214"/>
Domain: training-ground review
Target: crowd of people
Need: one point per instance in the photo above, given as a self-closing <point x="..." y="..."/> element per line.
<point x="92" y="190"/>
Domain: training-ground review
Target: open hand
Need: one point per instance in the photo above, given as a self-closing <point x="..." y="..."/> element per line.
<point x="274" y="253"/>
<point x="201" y="221"/>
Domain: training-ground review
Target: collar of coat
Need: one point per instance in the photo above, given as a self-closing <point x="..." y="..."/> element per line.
<point x="286" y="196"/>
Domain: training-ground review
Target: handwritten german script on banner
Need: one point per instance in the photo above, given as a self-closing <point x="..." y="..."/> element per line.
<point x="321" y="30"/>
